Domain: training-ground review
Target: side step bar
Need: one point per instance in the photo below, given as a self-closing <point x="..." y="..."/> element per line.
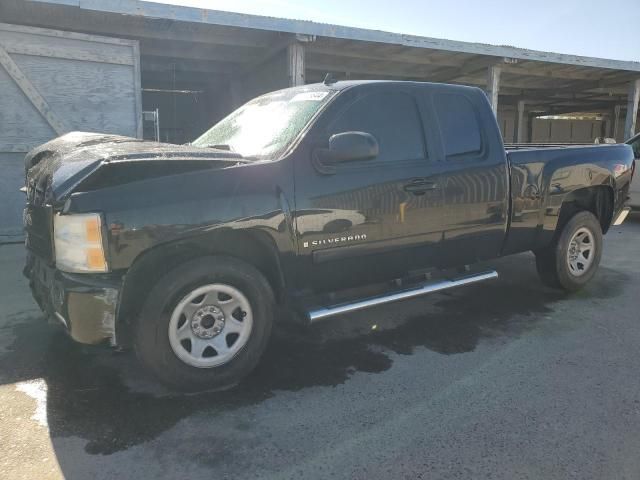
<point x="429" y="287"/>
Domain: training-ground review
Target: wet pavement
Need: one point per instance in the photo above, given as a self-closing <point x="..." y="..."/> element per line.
<point x="507" y="379"/>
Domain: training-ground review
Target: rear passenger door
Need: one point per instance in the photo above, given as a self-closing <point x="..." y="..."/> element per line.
<point x="473" y="175"/>
<point x="384" y="212"/>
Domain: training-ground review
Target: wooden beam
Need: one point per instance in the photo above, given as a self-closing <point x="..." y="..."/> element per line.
<point x="361" y="71"/>
<point x="632" y="109"/>
<point x="200" y="51"/>
<point x="160" y="64"/>
<point x="130" y="27"/>
<point x="330" y="63"/>
<point x="275" y="49"/>
<point x="609" y="85"/>
<point x="470" y="67"/>
<point x="550" y="101"/>
<point x="493" y="86"/>
<point x="317" y="72"/>
<point x="562" y="110"/>
<point x="57" y="33"/>
<point x="32" y="93"/>
<point x="295" y="64"/>
<point x="555" y="71"/>
<point x="408" y="56"/>
<point x="83" y="53"/>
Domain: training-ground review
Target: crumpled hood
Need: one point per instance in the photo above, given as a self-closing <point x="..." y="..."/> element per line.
<point x="54" y="168"/>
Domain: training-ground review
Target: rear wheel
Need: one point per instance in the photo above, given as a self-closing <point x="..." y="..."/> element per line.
<point x="205" y="324"/>
<point x="573" y="258"/>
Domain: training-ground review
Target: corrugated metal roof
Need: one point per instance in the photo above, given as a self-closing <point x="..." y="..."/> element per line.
<point x="241" y="20"/>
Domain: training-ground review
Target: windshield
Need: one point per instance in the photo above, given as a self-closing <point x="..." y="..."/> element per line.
<point x="266" y="126"/>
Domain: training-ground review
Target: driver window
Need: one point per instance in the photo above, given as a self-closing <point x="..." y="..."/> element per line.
<point x="391" y="117"/>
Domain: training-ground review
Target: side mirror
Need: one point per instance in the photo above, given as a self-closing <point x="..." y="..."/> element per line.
<point x="352" y="146"/>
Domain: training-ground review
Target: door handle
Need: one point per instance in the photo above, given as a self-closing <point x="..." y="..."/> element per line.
<point x="420" y="186"/>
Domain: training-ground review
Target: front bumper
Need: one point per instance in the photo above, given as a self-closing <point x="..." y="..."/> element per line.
<point x="86" y="304"/>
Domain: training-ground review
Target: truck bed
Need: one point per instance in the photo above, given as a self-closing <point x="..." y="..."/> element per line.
<point x="542" y="176"/>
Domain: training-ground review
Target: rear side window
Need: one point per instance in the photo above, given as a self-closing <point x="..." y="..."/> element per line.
<point x="459" y="126"/>
<point x="391" y="117"/>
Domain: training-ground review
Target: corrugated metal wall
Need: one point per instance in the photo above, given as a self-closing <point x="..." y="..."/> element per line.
<point x="53" y="82"/>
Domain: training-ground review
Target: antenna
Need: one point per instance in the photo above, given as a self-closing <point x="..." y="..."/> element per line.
<point x="329" y="79"/>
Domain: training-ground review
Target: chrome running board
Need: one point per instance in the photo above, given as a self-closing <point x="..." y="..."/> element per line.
<point x="423" y="289"/>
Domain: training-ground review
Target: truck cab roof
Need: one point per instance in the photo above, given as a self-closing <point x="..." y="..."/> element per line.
<point x="347" y="84"/>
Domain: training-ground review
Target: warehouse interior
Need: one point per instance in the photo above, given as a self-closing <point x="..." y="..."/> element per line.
<point x="194" y="66"/>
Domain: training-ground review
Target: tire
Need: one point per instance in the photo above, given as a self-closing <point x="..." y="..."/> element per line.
<point x="222" y="340"/>
<point x="572" y="260"/>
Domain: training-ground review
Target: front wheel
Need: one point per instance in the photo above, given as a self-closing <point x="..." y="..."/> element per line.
<point x="573" y="258"/>
<point x="205" y="324"/>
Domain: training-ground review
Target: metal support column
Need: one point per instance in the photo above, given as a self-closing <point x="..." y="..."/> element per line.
<point x="632" y="109"/>
<point x="493" y="86"/>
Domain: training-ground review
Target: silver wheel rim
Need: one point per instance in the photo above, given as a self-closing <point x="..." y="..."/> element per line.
<point x="210" y="325"/>
<point x="581" y="252"/>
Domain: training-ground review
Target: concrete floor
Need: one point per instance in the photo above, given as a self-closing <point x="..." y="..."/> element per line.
<point x="501" y="380"/>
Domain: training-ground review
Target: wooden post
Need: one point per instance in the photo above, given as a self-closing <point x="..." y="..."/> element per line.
<point x="632" y="109"/>
<point x="530" y="119"/>
<point x="295" y="64"/>
<point x="606" y="126"/>
<point x="519" y="130"/>
<point x="616" y="122"/>
<point x="493" y="86"/>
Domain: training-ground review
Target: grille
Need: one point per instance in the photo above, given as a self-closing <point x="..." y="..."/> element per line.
<point x="38" y="216"/>
<point x="38" y="223"/>
<point x="38" y="190"/>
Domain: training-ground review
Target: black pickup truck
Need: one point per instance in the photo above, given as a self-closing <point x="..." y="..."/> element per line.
<point x="295" y="202"/>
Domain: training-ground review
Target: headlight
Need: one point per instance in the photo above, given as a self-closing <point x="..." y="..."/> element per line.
<point x="78" y="243"/>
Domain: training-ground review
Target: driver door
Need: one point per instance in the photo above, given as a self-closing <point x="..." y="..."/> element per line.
<point x="368" y="220"/>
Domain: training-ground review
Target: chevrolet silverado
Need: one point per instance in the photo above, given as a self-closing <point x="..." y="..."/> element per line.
<point x="297" y="201"/>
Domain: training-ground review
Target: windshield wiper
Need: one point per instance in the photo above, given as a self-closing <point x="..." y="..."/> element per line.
<point x="220" y="146"/>
<point x="227" y="148"/>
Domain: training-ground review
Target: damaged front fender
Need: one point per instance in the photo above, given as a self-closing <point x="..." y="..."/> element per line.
<point x="85" y="304"/>
<point x="92" y="315"/>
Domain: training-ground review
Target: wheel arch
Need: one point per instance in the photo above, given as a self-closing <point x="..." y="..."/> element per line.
<point x="255" y="248"/>
<point x="598" y="200"/>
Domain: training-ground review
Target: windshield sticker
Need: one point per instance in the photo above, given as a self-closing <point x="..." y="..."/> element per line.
<point x="309" y="97"/>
